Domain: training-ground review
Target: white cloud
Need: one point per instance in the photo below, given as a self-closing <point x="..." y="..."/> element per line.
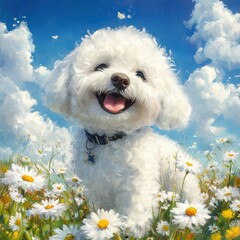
<point x="16" y="53"/>
<point x="217" y="33"/>
<point x="217" y="37"/>
<point x="212" y="99"/>
<point x="17" y="117"/>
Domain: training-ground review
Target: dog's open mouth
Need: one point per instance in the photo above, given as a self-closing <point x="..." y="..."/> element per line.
<point x="113" y="103"/>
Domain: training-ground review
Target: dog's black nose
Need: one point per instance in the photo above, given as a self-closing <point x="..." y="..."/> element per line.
<point x="120" y="81"/>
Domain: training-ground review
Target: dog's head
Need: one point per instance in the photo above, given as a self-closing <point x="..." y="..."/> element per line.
<point x="118" y="80"/>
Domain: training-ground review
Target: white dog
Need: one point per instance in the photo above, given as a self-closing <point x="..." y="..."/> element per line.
<point x="115" y="85"/>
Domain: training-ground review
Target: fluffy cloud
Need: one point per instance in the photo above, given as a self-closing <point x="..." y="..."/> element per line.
<point x="217" y="33"/>
<point x="18" y="122"/>
<point x="211" y="99"/>
<point x="217" y="37"/>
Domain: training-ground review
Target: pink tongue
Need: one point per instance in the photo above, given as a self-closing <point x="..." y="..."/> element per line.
<point x="114" y="104"/>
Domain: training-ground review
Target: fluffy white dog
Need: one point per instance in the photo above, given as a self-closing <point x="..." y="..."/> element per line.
<point x="115" y="84"/>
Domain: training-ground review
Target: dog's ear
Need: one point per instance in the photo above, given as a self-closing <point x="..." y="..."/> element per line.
<point x="175" y="108"/>
<point x="57" y="93"/>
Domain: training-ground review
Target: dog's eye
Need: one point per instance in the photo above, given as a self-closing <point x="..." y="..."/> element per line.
<point x="101" y="67"/>
<point x="141" y="75"/>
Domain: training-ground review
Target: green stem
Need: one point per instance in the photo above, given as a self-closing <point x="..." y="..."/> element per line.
<point x="181" y="192"/>
<point x="229" y="177"/>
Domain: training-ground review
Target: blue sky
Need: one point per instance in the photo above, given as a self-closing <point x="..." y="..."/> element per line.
<point x="191" y="48"/>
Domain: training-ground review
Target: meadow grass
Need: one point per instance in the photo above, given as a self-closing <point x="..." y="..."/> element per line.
<point x="56" y="206"/>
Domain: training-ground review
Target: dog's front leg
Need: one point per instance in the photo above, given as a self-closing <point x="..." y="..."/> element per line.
<point x="136" y="201"/>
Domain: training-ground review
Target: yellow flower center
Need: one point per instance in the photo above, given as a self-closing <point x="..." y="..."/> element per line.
<point x="40" y="151"/>
<point x="231" y="155"/>
<point x="103" y="223"/>
<point x="69" y="237"/>
<point x="18" y="222"/>
<point x="228" y="194"/>
<point x="27" y="178"/>
<point x="165" y="228"/>
<point x="189" y="164"/>
<point x="59" y="188"/>
<point x="191" y="211"/>
<point x="74" y="179"/>
<point x="49" y="207"/>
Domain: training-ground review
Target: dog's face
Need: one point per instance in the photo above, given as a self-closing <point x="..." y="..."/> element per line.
<point x="118" y="80"/>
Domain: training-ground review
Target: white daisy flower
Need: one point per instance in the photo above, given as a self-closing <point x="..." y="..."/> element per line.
<point x="27" y="179"/>
<point x="204" y="196"/>
<point x="17" y="197"/>
<point x="26" y="159"/>
<point x="102" y="225"/>
<point x="66" y="233"/>
<point x="73" y="181"/>
<point x="16" y="221"/>
<point x="213" y="228"/>
<point x="163" y="228"/>
<point x="48" y="208"/>
<point x="50" y="194"/>
<point x="172" y="196"/>
<point x="58" y="188"/>
<point x="213" y="166"/>
<point x="59" y="168"/>
<point x="229" y="157"/>
<point x="79" y="201"/>
<point x="222" y="140"/>
<point x="161" y="196"/>
<point x="190" y="215"/>
<point x="227" y="193"/>
<point x="165" y="206"/>
<point x="213" y="202"/>
<point x="235" y="206"/>
<point x="188" y="165"/>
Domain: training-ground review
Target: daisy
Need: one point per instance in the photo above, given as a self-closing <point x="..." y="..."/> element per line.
<point x="58" y="188"/>
<point x="26" y="159"/>
<point x="204" y="196"/>
<point x="163" y="228"/>
<point x="27" y="179"/>
<point x="213" y="166"/>
<point x="190" y="215"/>
<point x="172" y="196"/>
<point x="230" y="156"/>
<point x="161" y="197"/>
<point x="188" y="165"/>
<point x="235" y="206"/>
<point x="227" y="193"/>
<point x="17" y="197"/>
<point x="48" y="208"/>
<point x="222" y="140"/>
<point x="102" y="225"/>
<point x="16" y="221"/>
<point x="60" y="168"/>
<point x="73" y="181"/>
<point x="213" y="228"/>
<point x="66" y="233"/>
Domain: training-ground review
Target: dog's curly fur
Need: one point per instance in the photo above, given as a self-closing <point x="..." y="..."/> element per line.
<point x="128" y="172"/>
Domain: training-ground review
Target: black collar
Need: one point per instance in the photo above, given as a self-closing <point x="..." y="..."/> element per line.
<point x="103" y="140"/>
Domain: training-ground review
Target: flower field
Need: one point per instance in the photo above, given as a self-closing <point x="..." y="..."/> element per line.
<point x="44" y="200"/>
